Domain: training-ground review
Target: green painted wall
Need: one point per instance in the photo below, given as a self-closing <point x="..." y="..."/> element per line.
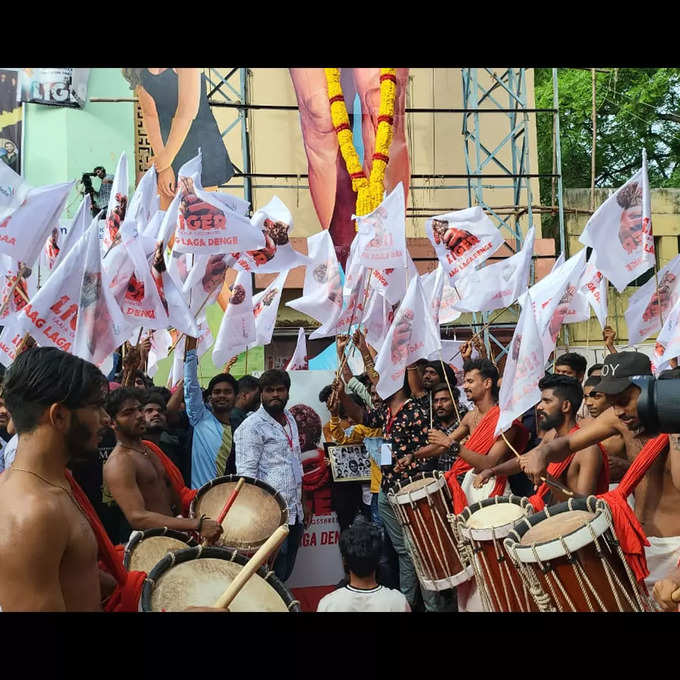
<point x="62" y="143"/>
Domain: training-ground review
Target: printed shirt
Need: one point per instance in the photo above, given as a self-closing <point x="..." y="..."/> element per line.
<point x="209" y="433"/>
<point x="446" y="460"/>
<point x="269" y="452"/>
<point x="406" y="432"/>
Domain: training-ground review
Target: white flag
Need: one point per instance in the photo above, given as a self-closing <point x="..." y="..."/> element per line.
<point x="10" y="339"/>
<point x="620" y="235"/>
<point x="144" y="200"/>
<point x="265" y="308"/>
<point x="237" y="328"/>
<point x="206" y="225"/>
<point x="552" y="296"/>
<point x="273" y="223"/>
<point x="496" y="285"/>
<point x="592" y="290"/>
<point x="463" y="239"/>
<point x="205" y="279"/>
<point x="432" y="284"/>
<point x="523" y="369"/>
<point x="117" y="207"/>
<point x="412" y="336"/>
<point x="101" y="325"/>
<point x="204" y="342"/>
<point x="78" y="226"/>
<point x="13" y="191"/>
<point x="24" y="230"/>
<point x="376" y="320"/>
<point x="392" y="283"/>
<point x="300" y="360"/>
<point x="381" y="234"/>
<point x="647" y="306"/>
<point x="52" y="314"/>
<point x="322" y="290"/>
<point x="14" y="296"/>
<point x="143" y="300"/>
<point x="448" y="298"/>
<point x="667" y="345"/>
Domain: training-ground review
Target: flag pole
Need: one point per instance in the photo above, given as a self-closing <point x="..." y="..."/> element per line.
<point x="644" y="210"/>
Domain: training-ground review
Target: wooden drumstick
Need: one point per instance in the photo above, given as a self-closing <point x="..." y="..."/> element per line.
<point x="253" y="564"/>
<point x="230" y="500"/>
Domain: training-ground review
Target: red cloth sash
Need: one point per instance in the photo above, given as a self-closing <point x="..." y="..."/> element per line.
<point x="556" y="470"/>
<point x="481" y="440"/>
<point x="629" y="532"/>
<point x="185" y="494"/>
<point x="125" y="597"/>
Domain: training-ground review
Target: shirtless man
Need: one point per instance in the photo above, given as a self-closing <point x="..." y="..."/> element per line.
<point x="657" y="496"/>
<point x="48" y="551"/>
<point x="561" y="397"/>
<point x="615" y="446"/>
<point x="480" y="384"/>
<point x="136" y="477"/>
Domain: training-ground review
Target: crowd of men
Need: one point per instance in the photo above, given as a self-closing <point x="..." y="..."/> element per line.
<point x="87" y="459"/>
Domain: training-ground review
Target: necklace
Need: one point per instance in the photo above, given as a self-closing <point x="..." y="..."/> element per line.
<point x="132" y="448"/>
<point x="59" y="486"/>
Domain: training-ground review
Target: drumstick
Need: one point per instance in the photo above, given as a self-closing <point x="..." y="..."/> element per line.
<point x="253" y="564"/>
<point x="551" y="481"/>
<point x="230" y="500"/>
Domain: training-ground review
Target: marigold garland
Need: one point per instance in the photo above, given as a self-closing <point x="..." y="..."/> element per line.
<point x="369" y="191"/>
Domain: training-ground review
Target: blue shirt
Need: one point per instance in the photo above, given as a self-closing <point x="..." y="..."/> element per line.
<point x="208" y="430"/>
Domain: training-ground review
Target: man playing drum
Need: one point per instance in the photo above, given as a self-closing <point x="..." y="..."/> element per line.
<point x="657" y="494"/>
<point x="584" y="472"/>
<point x="48" y="551"/>
<point x="138" y="475"/>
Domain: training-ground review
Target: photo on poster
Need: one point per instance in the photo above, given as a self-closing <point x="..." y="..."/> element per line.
<point x="349" y="463"/>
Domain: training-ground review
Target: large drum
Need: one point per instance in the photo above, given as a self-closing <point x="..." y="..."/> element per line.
<point x="255" y="515"/>
<point x="145" y="549"/>
<point x="483" y="526"/>
<point x="196" y="577"/>
<point x="570" y="559"/>
<point x="424" y="509"/>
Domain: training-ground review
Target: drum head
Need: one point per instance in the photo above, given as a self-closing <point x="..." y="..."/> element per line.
<point x="558" y="525"/>
<point x="195" y="580"/>
<point x="419" y="484"/>
<point x="146" y="549"/>
<point x="495" y="515"/>
<point x="256" y="513"/>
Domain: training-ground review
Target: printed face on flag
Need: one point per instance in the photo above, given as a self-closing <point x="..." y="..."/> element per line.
<point x="648" y="306"/>
<point x="274" y="222"/>
<point x="265" y="307"/>
<point x="412" y="336"/>
<point x="205" y="224"/>
<point x="117" y="207"/>
<point x="523" y="369"/>
<point x="631" y="253"/>
<point x="463" y="239"/>
<point x="667" y="344"/>
<point x="382" y="233"/>
<point x="237" y="328"/>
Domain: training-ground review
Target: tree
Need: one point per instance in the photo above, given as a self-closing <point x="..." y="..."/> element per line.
<point x="636" y="108"/>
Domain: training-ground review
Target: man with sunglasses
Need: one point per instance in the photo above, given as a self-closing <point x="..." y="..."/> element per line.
<point x="657" y="495"/>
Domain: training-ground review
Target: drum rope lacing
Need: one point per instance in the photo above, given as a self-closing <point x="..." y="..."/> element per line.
<point x="479" y="579"/>
<point x="541" y="598"/>
<point x="499" y="560"/>
<point x="578" y="570"/>
<point x="608" y="571"/>
<point x="545" y="570"/>
<point x="437" y="520"/>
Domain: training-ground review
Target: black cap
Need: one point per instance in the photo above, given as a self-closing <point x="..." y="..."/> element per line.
<point x="619" y="368"/>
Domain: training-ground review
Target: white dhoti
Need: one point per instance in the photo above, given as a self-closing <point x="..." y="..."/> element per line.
<point x="663" y="555"/>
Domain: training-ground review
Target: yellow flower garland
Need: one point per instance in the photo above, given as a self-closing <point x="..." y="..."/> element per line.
<point x="369" y="191"/>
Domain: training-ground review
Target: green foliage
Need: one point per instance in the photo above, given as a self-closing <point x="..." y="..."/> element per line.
<point x="636" y="108"/>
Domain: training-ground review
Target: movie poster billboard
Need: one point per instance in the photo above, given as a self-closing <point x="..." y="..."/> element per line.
<point x="53" y="86"/>
<point x="10" y="120"/>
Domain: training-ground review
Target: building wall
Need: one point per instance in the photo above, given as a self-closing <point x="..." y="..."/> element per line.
<point x="666" y="228"/>
<point x="62" y="143"/>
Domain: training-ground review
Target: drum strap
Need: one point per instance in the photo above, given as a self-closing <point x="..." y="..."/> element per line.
<point x="629" y="532"/>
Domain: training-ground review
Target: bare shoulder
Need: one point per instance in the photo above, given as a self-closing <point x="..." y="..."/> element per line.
<point x="592" y="453"/>
<point x="469" y="417"/>
<point x="119" y="463"/>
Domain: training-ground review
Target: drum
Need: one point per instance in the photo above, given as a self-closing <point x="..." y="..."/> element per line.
<point x="255" y="515"/>
<point x="145" y="549"/>
<point x="482" y="527"/>
<point x="424" y="508"/>
<point x="197" y="577"/>
<point x="570" y="559"/>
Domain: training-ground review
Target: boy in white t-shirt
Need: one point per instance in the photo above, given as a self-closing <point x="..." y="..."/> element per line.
<point x="361" y="547"/>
